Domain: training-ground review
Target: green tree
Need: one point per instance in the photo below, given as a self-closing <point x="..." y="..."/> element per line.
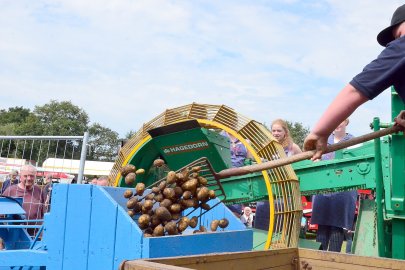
<point x="298" y="132"/>
<point x="62" y="118"/>
<point x="103" y="143"/>
<point x="11" y="118"/>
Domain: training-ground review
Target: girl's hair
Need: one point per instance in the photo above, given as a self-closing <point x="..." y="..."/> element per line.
<point x="287" y="141"/>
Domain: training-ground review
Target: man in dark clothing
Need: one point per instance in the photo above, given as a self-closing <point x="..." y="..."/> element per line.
<point x="11" y="180"/>
<point x="385" y="71"/>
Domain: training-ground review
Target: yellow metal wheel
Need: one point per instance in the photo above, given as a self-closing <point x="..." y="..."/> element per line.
<point x="285" y="207"/>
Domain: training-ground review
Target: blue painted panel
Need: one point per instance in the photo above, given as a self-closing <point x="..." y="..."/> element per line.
<point x="22" y="257"/>
<point x="77" y="227"/>
<point x="218" y="212"/>
<point x="9" y="206"/>
<point x="118" y="195"/>
<point x="102" y="232"/>
<point x="128" y="245"/>
<point x="182" y="245"/>
<point x="54" y="231"/>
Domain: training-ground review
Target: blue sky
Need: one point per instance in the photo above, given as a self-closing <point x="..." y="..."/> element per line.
<point x="125" y="61"/>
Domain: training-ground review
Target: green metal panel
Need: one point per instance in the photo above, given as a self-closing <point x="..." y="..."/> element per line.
<point x="180" y="148"/>
<point x="365" y="240"/>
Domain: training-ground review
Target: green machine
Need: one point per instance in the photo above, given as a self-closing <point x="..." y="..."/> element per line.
<point x="184" y="134"/>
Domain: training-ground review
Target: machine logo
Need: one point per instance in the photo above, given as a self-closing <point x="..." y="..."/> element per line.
<point x="186" y="147"/>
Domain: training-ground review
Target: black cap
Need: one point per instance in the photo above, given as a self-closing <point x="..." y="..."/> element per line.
<point x="386" y="36"/>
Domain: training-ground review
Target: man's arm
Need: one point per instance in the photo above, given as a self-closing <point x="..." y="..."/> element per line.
<point x="345" y="103"/>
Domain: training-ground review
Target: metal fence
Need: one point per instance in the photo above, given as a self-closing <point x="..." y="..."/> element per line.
<point x="43" y="152"/>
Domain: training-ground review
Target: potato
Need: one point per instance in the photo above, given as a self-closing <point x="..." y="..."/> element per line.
<point x="211" y="194"/>
<point x="162" y="185"/>
<point x="137" y="207"/>
<point x="158" y="162"/>
<point x="205" y="206"/>
<point x="140" y="171"/>
<point x="131" y="212"/>
<point x="131" y="203"/>
<point x="171" y="228"/>
<point x="128" y="193"/>
<point x="143" y="221"/>
<point x="186" y="173"/>
<point x="154" y="221"/>
<point x="169" y="193"/>
<point x="203" y="194"/>
<point x="127" y="169"/>
<point x="175" y="208"/>
<point x="150" y="196"/>
<point x="148" y="204"/>
<point x="202" y="229"/>
<point x="214" y="225"/>
<point x="159" y="231"/>
<point x="193" y="222"/>
<point x="176" y="216"/>
<point x="196" y="204"/>
<point x="147" y="235"/>
<point x="194" y="175"/>
<point x="183" y="224"/>
<point x="130" y="178"/>
<point x="171" y="177"/>
<point x="148" y="230"/>
<point x="202" y="181"/>
<point x="156" y="190"/>
<point x="159" y="197"/>
<point x="179" y="178"/>
<point x="163" y="214"/>
<point x="178" y="191"/>
<point x="187" y="195"/>
<point x="187" y="203"/>
<point x="223" y="223"/>
<point x="190" y="185"/>
<point x="196" y="169"/>
<point x="166" y="203"/>
<point x="140" y="188"/>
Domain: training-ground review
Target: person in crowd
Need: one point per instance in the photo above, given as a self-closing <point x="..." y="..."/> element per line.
<point x="335" y="211"/>
<point x="103" y="181"/>
<point x="239" y="156"/>
<point x="386" y="70"/>
<point x="2" y="244"/>
<point x="281" y="133"/>
<point x="47" y="189"/>
<point x="247" y="217"/>
<point x="33" y="197"/>
<point x="239" y="152"/>
<point x="11" y="180"/>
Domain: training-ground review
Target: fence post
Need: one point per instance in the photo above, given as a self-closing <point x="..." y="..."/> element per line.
<point x="83" y="157"/>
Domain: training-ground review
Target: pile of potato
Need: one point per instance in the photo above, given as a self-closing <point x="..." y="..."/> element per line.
<point x="178" y="192"/>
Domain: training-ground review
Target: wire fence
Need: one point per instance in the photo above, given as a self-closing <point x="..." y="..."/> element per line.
<point x="52" y="156"/>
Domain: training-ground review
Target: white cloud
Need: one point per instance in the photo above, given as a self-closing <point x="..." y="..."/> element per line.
<point x="124" y="62"/>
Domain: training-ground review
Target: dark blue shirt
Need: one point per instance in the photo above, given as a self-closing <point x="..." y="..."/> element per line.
<point x="385" y="71"/>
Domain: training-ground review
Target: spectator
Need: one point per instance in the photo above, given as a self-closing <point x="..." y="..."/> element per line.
<point x="47" y="191"/>
<point x="33" y="197"/>
<point x="281" y="133"/>
<point x="11" y="180"/>
<point x="103" y="181"/>
<point x="334" y="212"/>
<point x="247" y="217"/>
<point x="2" y="244"/>
<point x="239" y="155"/>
